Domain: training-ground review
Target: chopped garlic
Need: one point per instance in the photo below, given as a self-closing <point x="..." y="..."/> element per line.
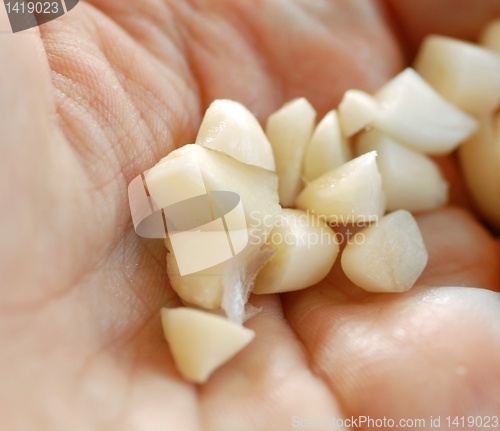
<point x="204" y="288"/>
<point x="388" y="257"/>
<point x="306" y="250"/>
<point x="357" y="110"/>
<point x="411" y="180"/>
<point x="465" y="74"/>
<point x="350" y="193"/>
<point x="480" y="161"/>
<point x="175" y="177"/>
<point x="327" y="150"/>
<point x="289" y="130"/>
<point x="490" y="36"/>
<point x="256" y="187"/>
<point x="231" y="128"/>
<point x="201" y="342"/>
<point x="414" y="114"/>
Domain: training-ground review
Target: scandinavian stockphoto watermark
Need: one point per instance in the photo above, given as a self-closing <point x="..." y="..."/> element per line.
<point x="348" y="229"/>
<point x="446" y="422"/>
<point x="26" y="14"/>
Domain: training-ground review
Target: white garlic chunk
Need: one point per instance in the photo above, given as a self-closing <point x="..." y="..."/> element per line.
<point x="414" y="114"/>
<point x="200" y="342"/>
<point x="410" y="180"/>
<point x="465" y="74"/>
<point x="387" y="256"/>
<point x="257" y="187"/>
<point x="231" y="128"/>
<point x="480" y="163"/>
<point x="289" y="130"/>
<point x="306" y="249"/>
<point x="175" y="179"/>
<point x="350" y="193"/>
<point x="327" y="150"/>
<point x="204" y="288"/>
<point x="490" y="36"/>
<point x="357" y="110"/>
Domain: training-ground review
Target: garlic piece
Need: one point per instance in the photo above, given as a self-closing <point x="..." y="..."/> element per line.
<point x="465" y="74"/>
<point x="257" y="187"/>
<point x="231" y="128"/>
<point x="480" y="162"/>
<point x="357" y="110"/>
<point x="289" y="130"/>
<point x="306" y="250"/>
<point x="490" y="36"/>
<point x="414" y="114"/>
<point x="327" y="150"/>
<point x="200" y="342"/>
<point x="175" y="179"/>
<point x="350" y="193"/>
<point x="388" y="257"/>
<point x="204" y="288"/>
<point x="410" y="180"/>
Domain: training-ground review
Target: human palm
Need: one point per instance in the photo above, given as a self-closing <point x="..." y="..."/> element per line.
<point x="111" y="88"/>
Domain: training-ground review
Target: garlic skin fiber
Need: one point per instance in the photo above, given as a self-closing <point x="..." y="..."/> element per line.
<point x="231" y="128"/>
<point x="200" y="342"/>
<point x="289" y="130"/>
<point x="306" y="250"/>
<point x="390" y="257"/>
<point x="414" y="114"/>
<point x="465" y="74"/>
<point x="327" y="149"/>
<point x="357" y="110"/>
<point x="410" y="180"/>
<point x="352" y="192"/>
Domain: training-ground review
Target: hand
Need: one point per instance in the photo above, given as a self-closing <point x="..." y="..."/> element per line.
<point x="112" y="87"/>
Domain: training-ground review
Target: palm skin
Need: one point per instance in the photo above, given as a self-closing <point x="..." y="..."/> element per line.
<point x="108" y="90"/>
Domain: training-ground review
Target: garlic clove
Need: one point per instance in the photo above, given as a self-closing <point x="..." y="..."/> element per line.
<point x="490" y="36"/>
<point x="480" y="164"/>
<point x="289" y="130"/>
<point x="306" y="249"/>
<point x="465" y="74"/>
<point x="257" y="187"/>
<point x="232" y="129"/>
<point x="357" y="110"/>
<point x="181" y="179"/>
<point x="351" y="193"/>
<point x="410" y="180"/>
<point x="414" y="114"/>
<point x="327" y="150"/>
<point x="174" y="176"/>
<point x="204" y="288"/>
<point x="388" y="256"/>
<point x="200" y="342"/>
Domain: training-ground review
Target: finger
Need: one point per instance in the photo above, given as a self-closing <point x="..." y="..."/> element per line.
<point x="414" y="357"/>
<point x="263" y="54"/>
<point x="27" y="148"/>
<point x="267" y="384"/>
<point x="461" y="251"/>
<point x="372" y="348"/>
<point x="462" y="19"/>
